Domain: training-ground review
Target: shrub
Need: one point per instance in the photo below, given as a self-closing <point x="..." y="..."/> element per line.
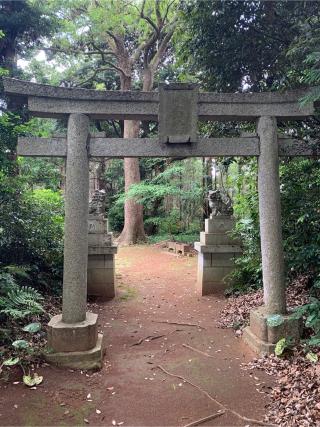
<point x="31" y="231"/>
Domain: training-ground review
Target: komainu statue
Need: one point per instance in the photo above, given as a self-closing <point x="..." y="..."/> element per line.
<point x="97" y="203"/>
<point x="219" y="203"/>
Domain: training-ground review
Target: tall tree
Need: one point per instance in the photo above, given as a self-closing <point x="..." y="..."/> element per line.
<point x="22" y="24"/>
<point x="238" y="45"/>
<point x="132" y="39"/>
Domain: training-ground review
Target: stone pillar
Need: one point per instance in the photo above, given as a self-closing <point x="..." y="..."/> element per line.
<point x="270" y="323"/>
<point x="270" y="218"/>
<point x="73" y="338"/>
<point x="216" y="253"/>
<point x="76" y="221"/>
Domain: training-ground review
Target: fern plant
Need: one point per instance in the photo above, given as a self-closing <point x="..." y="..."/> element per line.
<point x="18" y="302"/>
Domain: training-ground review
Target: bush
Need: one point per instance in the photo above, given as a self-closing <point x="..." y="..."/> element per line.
<point x="31" y="231"/>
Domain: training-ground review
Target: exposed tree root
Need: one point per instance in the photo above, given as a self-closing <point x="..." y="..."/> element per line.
<point x="247" y="420"/>
<point x="154" y="337"/>
<point x="198" y="351"/>
<point x="177" y="323"/>
<point x="149" y="337"/>
<point x="203" y="420"/>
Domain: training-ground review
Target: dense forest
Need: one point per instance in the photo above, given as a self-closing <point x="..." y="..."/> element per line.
<point x="224" y="46"/>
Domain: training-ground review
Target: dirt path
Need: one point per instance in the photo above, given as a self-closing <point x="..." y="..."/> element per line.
<point x="153" y="286"/>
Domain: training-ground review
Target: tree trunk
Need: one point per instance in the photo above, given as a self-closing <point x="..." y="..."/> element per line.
<point x="133" y="230"/>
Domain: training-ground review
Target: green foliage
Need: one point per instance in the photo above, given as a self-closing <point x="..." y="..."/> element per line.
<point x="300" y="202"/>
<point x="32" y="327"/>
<point x="218" y="39"/>
<point x="172" y="197"/>
<point x="21" y="25"/>
<point x="305" y="50"/>
<point x="312" y="357"/>
<point x="31" y="230"/>
<point x="300" y="180"/>
<point x="39" y="173"/>
<point x="20" y="302"/>
<point x="12" y="361"/>
<point x="280" y="347"/>
<point x="181" y="237"/>
<point x="248" y="273"/>
<point x="311" y="314"/>
<point x="20" y="344"/>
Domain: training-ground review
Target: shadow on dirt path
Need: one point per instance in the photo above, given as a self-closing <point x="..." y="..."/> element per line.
<point x="153" y="287"/>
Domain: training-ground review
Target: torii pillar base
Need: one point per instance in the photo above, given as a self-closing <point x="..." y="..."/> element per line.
<point x="262" y="337"/>
<point x="75" y="345"/>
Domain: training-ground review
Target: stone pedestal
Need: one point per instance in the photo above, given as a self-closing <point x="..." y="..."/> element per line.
<point x="73" y="339"/>
<point x="75" y="345"/>
<point x="216" y="253"/>
<point x="262" y="337"/>
<point x="101" y="252"/>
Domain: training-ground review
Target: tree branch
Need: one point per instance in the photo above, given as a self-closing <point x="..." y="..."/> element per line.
<point x="143" y="46"/>
<point x="96" y="72"/>
<point x="77" y="52"/>
<point x="163" y="46"/>
<point x="147" y="18"/>
<point x="167" y="10"/>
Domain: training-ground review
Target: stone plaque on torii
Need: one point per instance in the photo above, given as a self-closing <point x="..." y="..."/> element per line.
<point x="73" y="336"/>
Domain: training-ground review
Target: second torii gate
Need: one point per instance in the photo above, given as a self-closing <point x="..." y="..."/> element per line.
<point x="73" y="337"/>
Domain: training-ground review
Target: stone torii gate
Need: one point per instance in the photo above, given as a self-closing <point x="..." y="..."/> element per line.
<point x="73" y="337"/>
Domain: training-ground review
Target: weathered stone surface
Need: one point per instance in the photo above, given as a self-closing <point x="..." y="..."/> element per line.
<point x="218" y="249"/>
<point x="216" y="274"/>
<point x="100" y="239"/>
<point x="101" y="270"/>
<point x="219" y="224"/>
<point x="68" y="337"/>
<point x="101" y="282"/>
<point x="150" y="147"/>
<point x="101" y="261"/>
<point x="76" y="221"/>
<point x="209" y="288"/>
<point x="178" y="114"/>
<point x="89" y="359"/>
<point x="262" y="338"/>
<point x="42" y="147"/>
<point x="101" y="276"/>
<point x="217" y="239"/>
<point x="290" y="327"/>
<point x="216" y="252"/>
<point x="97" y="225"/>
<point x="270" y="218"/>
<point x="95" y="108"/>
<point x="97" y="250"/>
<point x="49" y="101"/>
<point x="258" y="346"/>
